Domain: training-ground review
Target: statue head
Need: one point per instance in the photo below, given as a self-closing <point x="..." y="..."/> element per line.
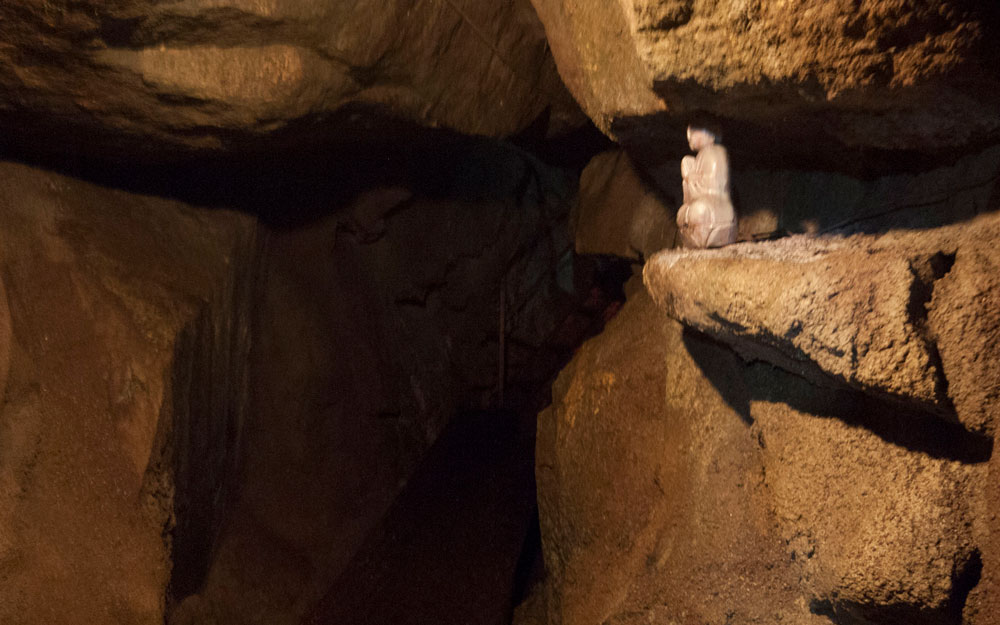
<point x="699" y="137"/>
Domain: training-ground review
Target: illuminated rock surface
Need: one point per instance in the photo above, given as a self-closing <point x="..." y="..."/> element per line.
<point x="116" y="78"/>
<point x="707" y="459"/>
<point x="114" y="300"/>
<point x="788" y="76"/>
<point x="619" y="214"/>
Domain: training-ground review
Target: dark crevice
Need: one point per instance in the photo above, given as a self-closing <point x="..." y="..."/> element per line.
<point x="926" y="272"/>
<point x="210" y="398"/>
<point x="966" y="578"/>
<point x="475" y="482"/>
<point x="530" y="566"/>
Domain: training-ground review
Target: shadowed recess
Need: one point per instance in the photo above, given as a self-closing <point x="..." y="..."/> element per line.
<point x="741" y="383"/>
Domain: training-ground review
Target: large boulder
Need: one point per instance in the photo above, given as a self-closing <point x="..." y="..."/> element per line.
<point x="865" y="311"/>
<point x="155" y="468"/>
<point x="119" y="429"/>
<point x="801" y="78"/>
<point x="705" y="460"/>
<point x="151" y="78"/>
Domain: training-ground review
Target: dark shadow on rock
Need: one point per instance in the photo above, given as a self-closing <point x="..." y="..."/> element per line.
<point x="723" y="368"/>
<point x="449" y="549"/>
<point x="740" y="383"/>
<point x="314" y="167"/>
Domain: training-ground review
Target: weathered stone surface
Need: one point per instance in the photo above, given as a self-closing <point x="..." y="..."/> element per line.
<point x="645" y="480"/>
<point x="964" y="318"/>
<point x="137" y="77"/>
<point x="107" y="293"/>
<point x="983" y="604"/>
<point x="883" y="533"/>
<point x="618" y="213"/>
<point x="678" y="483"/>
<point x="809" y="306"/>
<point x="800" y="78"/>
<point x="853" y="309"/>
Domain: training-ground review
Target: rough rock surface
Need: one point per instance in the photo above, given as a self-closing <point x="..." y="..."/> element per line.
<point x="795" y="77"/>
<point x="679" y="482"/>
<point x="644" y="477"/>
<point x="118" y="77"/>
<point x="107" y="293"/>
<point x="807" y="304"/>
<point x="618" y="213"/>
<point x="856" y="309"/>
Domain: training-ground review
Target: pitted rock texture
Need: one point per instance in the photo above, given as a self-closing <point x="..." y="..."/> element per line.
<point x="804" y="307"/>
<point x="872" y="74"/>
<point x="855" y="310"/>
<point x="207" y="75"/>
<point x="107" y="291"/>
<point x="680" y="483"/>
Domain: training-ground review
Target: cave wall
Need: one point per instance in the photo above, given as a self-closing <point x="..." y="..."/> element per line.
<point x="270" y="386"/>
<point x="210" y="415"/>
<point x="106" y="292"/>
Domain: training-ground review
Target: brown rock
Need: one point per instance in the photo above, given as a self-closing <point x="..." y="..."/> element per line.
<point x="649" y="489"/>
<point x="853" y="309"/>
<point x="884" y="533"/>
<point x="619" y="214"/>
<point x="964" y="317"/>
<point x="5" y="339"/>
<point x="115" y="300"/>
<point x="813" y="307"/>
<point x="795" y="78"/>
<point x="678" y="483"/>
<point x="207" y="75"/>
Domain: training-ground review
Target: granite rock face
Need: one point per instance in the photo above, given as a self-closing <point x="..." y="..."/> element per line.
<point x="105" y="436"/>
<point x="710" y="457"/>
<point x="856" y="310"/>
<point x="787" y="77"/>
<point x="145" y="79"/>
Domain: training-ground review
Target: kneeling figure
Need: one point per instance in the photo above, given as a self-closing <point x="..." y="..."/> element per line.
<point x="707" y="218"/>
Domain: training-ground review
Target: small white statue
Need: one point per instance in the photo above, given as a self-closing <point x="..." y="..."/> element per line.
<point x="707" y="218"/>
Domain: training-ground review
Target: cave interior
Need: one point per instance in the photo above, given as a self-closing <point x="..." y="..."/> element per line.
<point x="376" y="312"/>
